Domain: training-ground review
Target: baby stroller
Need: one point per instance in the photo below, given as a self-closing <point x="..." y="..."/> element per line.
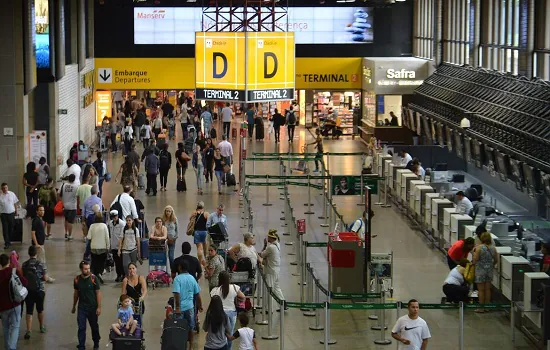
<point x="130" y="342"/>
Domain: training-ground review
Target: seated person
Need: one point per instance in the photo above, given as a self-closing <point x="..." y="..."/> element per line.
<point x="455" y="287"/>
<point x="125" y="317"/>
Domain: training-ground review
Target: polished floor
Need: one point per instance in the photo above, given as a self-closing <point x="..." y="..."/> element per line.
<point x="418" y="273"/>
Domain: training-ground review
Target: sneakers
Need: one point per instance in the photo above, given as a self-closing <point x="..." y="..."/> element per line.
<point x="50" y="280"/>
<point x="316" y="170"/>
<point x="42" y="329"/>
<point x="27" y="335"/>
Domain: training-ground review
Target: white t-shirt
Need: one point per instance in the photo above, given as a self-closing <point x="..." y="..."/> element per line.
<point x="147" y="128"/>
<point x="248" y="252"/>
<point x="455" y="277"/>
<point x="246" y="337"/>
<point x="229" y="301"/>
<point x="414" y="330"/>
<point x="76" y="170"/>
<point x="68" y="195"/>
<point x="359" y="228"/>
<point x="227" y="114"/>
<point x="406" y="159"/>
<point x="7" y="202"/>
<point x="464" y="206"/>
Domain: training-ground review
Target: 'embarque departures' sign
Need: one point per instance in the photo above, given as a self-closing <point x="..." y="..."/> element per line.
<point x="270" y="66"/>
<point x="251" y="67"/>
<point x="220" y="66"/>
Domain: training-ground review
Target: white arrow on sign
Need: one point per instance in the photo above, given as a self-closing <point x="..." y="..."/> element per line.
<point x="105" y="75"/>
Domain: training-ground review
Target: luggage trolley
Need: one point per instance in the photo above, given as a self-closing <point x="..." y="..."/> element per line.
<point x="158" y="264"/>
<point x="128" y="341"/>
<point x="247" y="283"/>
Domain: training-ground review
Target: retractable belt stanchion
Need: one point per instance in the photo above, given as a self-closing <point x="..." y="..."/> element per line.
<point x="259" y="291"/>
<point x="379" y="189"/>
<point x="253" y="166"/>
<point x="461" y="326"/>
<point x="291" y="230"/>
<point x="303" y="276"/>
<point x="281" y="173"/>
<point x="383" y="340"/>
<point x="317" y="326"/>
<point x="267" y="204"/>
<point x="270" y="335"/>
<point x="374" y="316"/>
<point x="513" y="321"/>
<point x="265" y="301"/>
<point x="308" y="212"/>
<point x="327" y="341"/>
<point x="282" y="325"/>
<point x="310" y="286"/>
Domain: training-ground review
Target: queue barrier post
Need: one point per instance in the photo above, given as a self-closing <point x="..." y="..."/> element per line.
<point x="326" y="340"/>
<point x="282" y="325"/>
<point x="291" y="229"/>
<point x="265" y="297"/>
<point x="317" y="326"/>
<point x="362" y="202"/>
<point x="309" y="299"/>
<point x="374" y="316"/>
<point x="267" y="204"/>
<point x="270" y="335"/>
<point x="513" y="321"/>
<point x="259" y="299"/>
<point x="383" y="340"/>
<point x="379" y="189"/>
<point x="386" y="189"/>
<point x="461" y="325"/>
<point x="281" y="172"/>
<point x="254" y="166"/>
<point x="308" y="204"/>
<point x="298" y="261"/>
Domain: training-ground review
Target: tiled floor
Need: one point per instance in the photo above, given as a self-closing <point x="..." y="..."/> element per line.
<point x="418" y="270"/>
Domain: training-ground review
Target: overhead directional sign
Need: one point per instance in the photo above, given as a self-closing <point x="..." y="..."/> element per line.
<point x="220" y="66"/>
<point x="105" y="75"/>
<point x="270" y="66"/>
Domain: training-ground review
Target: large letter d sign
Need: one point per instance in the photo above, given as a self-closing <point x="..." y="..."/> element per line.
<point x="271" y="55"/>
<point x="215" y="57"/>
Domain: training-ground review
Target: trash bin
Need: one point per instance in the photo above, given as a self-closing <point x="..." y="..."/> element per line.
<point x="345" y="259"/>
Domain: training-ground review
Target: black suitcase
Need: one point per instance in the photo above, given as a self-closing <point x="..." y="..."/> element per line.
<point x="126" y="343"/>
<point x="230" y="179"/>
<point x="175" y="334"/>
<point x="213" y="133"/>
<point x="18" y="231"/>
<point x="181" y="186"/>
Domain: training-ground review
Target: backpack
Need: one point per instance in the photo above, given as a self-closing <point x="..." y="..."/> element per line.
<point x="33" y="283"/>
<point x="164" y="159"/>
<point x="143" y="131"/>
<point x="44" y="196"/>
<point x="291" y="119"/>
<point x="116" y="206"/>
<point x="17" y="290"/>
<point x="351" y="226"/>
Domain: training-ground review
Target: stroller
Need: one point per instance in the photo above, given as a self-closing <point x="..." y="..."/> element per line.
<point x="137" y="338"/>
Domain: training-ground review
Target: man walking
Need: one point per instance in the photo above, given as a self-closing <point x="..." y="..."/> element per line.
<point x="152" y="166"/>
<point x="186" y="289"/>
<point x="411" y="331"/>
<point x="278" y="121"/>
<point x="67" y="194"/>
<point x="8" y="211"/>
<point x="38" y="234"/>
<point x="10" y="311"/>
<point x="116" y="233"/>
<point x="88" y="297"/>
<point x="227" y="116"/>
<point x="291" y="123"/>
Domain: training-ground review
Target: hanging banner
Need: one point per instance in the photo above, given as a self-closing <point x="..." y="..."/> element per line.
<point x="270" y="66"/>
<point x="220" y="66"/>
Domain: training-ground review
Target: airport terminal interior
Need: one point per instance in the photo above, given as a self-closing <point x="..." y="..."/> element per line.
<point x="387" y="160"/>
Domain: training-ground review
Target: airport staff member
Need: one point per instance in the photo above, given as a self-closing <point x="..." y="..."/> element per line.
<point x="405" y="158"/>
<point x="464" y="205"/>
<point x="411" y="331"/>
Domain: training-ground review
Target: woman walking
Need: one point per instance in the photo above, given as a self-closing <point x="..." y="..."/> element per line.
<point x="200" y="217"/>
<point x="171" y="224"/>
<point x="129" y="247"/>
<point x="165" y="159"/>
<point x="128" y="173"/>
<point x="217" y="328"/>
<point x="228" y="293"/>
<point x="47" y="196"/>
<point x="219" y="162"/>
<point x="485" y="260"/>
<point x="128" y="136"/>
<point x="182" y="160"/>
<point x="135" y="286"/>
<point x="98" y="233"/>
<point x="116" y="232"/>
<point x="209" y="160"/>
<point x="198" y="164"/>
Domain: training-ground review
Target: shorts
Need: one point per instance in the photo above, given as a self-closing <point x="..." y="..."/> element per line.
<point x="200" y="237"/>
<point x="49" y="215"/>
<point x="35" y="298"/>
<point x="70" y="215"/>
<point x="189" y="316"/>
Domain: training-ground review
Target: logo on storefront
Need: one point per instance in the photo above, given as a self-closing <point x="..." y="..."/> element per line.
<point x="155" y="14"/>
<point x="326" y="78"/>
<point x="400" y="74"/>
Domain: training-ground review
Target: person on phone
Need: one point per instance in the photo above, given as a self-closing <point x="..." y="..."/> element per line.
<point x="411" y="331"/>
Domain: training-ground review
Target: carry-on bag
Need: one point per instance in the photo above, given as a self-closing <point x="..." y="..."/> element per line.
<point x="126" y="343"/>
<point x="213" y="133"/>
<point x="141" y="181"/>
<point x="181" y="186"/>
<point x="175" y="334"/>
<point x="144" y="249"/>
<point x="18" y="231"/>
<point x="230" y="179"/>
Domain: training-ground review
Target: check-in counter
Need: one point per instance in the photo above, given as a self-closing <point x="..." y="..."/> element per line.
<point x="406" y="178"/>
<point x="411" y="195"/>
<point x="458" y="224"/>
<point x="501" y="251"/>
<point x="438" y="205"/>
<point x="381" y="163"/>
<point x="428" y="197"/>
<point x="397" y="179"/>
<point x="512" y="282"/>
<point x="533" y="282"/>
<point x="420" y="200"/>
<point x="445" y="224"/>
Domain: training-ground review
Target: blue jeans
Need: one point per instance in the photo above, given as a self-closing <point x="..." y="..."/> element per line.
<point x="171" y="249"/>
<point x="200" y="176"/>
<point x="81" y="318"/>
<point x="220" y="176"/>
<point x="10" y="322"/>
<point x="232" y="315"/>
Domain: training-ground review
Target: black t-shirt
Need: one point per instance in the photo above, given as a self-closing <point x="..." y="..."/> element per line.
<point x="179" y="156"/>
<point x="32" y="179"/>
<point x="38" y="226"/>
<point x="195" y="268"/>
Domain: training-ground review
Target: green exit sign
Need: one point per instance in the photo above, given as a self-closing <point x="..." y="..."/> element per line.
<point x="61" y="111"/>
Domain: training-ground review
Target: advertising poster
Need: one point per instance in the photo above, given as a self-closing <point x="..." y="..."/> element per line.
<point x="349" y="185"/>
<point x="38" y="145"/>
<point x="42" y="27"/>
<point x="381" y="265"/>
<point x="311" y="25"/>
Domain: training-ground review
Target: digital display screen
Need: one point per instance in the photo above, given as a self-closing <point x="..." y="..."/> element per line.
<point x="411" y="121"/>
<point x="405" y="118"/>
<point x="532" y="177"/>
<point x="42" y="28"/>
<point x="477" y="153"/>
<point x="546" y="183"/>
<point x="516" y="175"/>
<point x="490" y="158"/>
<point x="418" y="124"/>
<point x="427" y="128"/>
<point x="311" y="25"/>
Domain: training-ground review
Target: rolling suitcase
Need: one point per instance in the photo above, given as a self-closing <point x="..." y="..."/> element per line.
<point x="141" y="181"/>
<point x="18" y="231"/>
<point x="213" y="133"/>
<point x="126" y="343"/>
<point x="181" y="186"/>
<point x="175" y="333"/>
<point x="230" y="179"/>
<point x="144" y="249"/>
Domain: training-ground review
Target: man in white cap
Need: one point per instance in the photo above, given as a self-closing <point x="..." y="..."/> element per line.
<point x="116" y="232"/>
<point x="271" y="260"/>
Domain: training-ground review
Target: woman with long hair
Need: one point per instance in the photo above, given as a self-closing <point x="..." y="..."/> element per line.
<point x="227" y="292"/>
<point x="219" y="163"/>
<point x="217" y="328"/>
<point x="134" y="286"/>
<point x="128" y="173"/>
<point x="199" y="165"/>
<point x="171" y="224"/>
<point x="129" y="247"/>
<point x="214" y="266"/>
<point x="209" y="160"/>
<point x="199" y="217"/>
<point x="485" y="259"/>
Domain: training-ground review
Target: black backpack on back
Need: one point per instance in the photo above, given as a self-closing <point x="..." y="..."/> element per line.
<point x="291" y="120"/>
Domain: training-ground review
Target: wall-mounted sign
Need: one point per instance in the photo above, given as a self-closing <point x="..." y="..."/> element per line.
<point x="393" y="75"/>
<point x="328" y="73"/>
<point x="38" y="145"/>
<point x="103" y="106"/>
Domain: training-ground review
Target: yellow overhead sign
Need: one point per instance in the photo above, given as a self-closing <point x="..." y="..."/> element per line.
<point x="145" y="73"/>
<point x="270" y="66"/>
<point x="328" y="73"/>
<point x="220" y="66"/>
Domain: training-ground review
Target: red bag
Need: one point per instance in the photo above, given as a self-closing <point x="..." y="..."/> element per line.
<point x="58" y="209"/>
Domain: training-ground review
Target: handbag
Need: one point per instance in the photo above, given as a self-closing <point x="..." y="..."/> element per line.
<point x="240" y="302"/>
<point x="191" y="225"/>
<point x="58" y="209"/>
<point x="17" y="290"/>
<point x="469" y="273"/>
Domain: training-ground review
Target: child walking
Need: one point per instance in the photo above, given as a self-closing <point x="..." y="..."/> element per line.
<point x="125" y="317"/>
<point x="246" y="334"/>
